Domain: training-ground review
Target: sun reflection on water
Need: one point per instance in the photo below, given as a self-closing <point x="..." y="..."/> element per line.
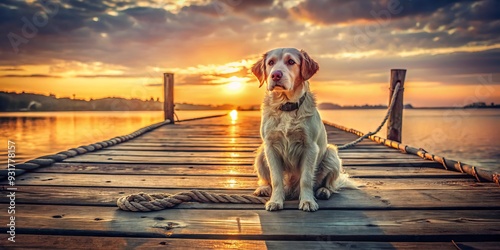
<point x="42" y="133"/>
<point x="234" y="116"/>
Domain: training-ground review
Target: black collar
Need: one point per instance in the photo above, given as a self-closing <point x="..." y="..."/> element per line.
<point x="291" y="106"/>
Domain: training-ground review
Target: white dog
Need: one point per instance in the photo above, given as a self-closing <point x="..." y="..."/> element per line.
<point x="294" y="158"/>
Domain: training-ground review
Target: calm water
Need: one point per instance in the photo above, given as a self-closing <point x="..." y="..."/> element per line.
<point x="467" y="135"/>
<point x="42" y="133"/>
<point x="471" y="136"/>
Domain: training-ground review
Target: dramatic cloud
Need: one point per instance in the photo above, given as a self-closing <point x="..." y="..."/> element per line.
<point x="215" y="42"/>
<point x="31" y="75"/>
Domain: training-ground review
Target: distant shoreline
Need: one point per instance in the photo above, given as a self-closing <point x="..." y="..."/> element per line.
<point x="241" y="110"/>
<point x="29" y="102"/>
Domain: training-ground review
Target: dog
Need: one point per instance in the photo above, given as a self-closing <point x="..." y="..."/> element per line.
<point x="295" y="158"/>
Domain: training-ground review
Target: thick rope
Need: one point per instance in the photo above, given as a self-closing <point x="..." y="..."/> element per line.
<point x="47" y="160"/>
<point x="478" y="173"/>
<point x="389" y="110"/>
<point x="153" y="202"/>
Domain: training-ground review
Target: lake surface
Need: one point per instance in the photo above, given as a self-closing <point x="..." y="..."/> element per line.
<point x="466" y="135"/>
<point x="470" y="136"/>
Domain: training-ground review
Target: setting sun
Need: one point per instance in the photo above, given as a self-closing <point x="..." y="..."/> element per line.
<point x="235" y="84"/>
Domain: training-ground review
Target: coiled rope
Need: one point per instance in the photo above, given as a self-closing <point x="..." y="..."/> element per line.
<point x="143" y="202"/>
<point x="389" y="110"/>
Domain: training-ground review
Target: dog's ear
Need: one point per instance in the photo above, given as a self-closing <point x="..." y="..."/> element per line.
<point x="259" y="70"/>
<point x="308" y="67"/>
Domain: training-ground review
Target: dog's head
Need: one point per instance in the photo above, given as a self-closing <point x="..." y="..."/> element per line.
<point x="284" y="69"/>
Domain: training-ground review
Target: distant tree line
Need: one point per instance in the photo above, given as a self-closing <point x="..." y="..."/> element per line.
<point x="34" y="102"/>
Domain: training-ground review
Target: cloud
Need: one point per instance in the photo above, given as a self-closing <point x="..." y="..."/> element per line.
<point x="147" y="15"/>
<point x="242" y="5"/>
<point x="333" y="12"/>
<point x="130" y="39"/>
<point x="461" y="68"/>
<point x="11" y="69"/>
<point x="30" y="76"/>
<point x="154" y="85"/>
<point x="254" y="10"/>
<point x="111" y="76"/>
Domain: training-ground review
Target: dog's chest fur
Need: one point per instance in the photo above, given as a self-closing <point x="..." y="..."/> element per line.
<point x="286" y="135"/>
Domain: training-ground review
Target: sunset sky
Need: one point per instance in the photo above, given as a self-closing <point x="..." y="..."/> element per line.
<point x="96" y="49"/>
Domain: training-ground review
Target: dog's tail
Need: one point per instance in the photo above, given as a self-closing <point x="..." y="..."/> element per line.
<point x="342" y="180"/>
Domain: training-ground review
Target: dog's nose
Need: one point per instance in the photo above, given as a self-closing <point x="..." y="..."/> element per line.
<point x="276" y="75"/>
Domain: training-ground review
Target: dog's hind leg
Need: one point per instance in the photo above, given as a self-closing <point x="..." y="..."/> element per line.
<point x="331" y="170"/>
<point x="262" y="170"/>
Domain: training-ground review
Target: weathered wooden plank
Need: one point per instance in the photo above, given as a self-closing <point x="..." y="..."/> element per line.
<point x="127" y="147"/>
<point x="249" y="126"/>
<point x="160" y="138"/>
<point x="133" y="169"/>
<point x="237" y="170"/>
<point x="197" y="144"/>
<point x="89" y="158"/>
<point x="77" y="242"/>
<point x="407" y="225"/>
<point x="220" y="182"/>
<point x="221" y="137"/>
<point x="207" y="142"/>
<point x="93" y="158"/>
<point x="188" y="144"/>
<point x="252" y="131"/>
<point x="241" y="155"/>
<point x="231" y="141"/>
<point x="428" y="183"/>
<point x="365" y="198"/>
<point x="152" y="181"/>
<point x="220" y="134"/>
<point x="346" y="155"/>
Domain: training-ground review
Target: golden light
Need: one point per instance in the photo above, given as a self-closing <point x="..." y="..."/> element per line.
<point x="231" y="183"/>
<point x="234" y="115"/>
<point x="235" y="84"/>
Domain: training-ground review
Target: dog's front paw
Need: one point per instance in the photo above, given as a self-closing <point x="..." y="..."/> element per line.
<point x="308" y="205"/>
<point x="263" y="191"/>
<point x="274" y="206"/>
<point x="323" y="193"/>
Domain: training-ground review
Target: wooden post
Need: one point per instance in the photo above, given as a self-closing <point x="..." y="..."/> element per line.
<point x="168" y="94"/>
<point x="395" y="122"/>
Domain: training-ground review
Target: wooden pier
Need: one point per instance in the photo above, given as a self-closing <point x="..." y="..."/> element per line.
<point x="403" y="201"/>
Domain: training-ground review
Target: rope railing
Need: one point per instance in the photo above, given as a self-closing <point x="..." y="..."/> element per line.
<point x="47" y="160"/>
<point x="389" y="110"/>
<point x="448" y="164"/>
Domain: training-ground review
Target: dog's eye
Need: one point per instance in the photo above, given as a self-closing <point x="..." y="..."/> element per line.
<point x="291" y="62"/>
<point x="271" y="63"/>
